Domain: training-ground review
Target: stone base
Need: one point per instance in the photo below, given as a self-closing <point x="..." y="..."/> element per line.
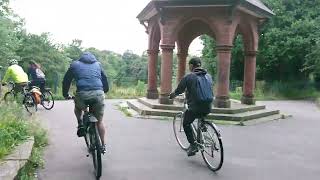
<point x="164" y="99"/>
<point x="222" y="102"/>
<point x="152" y="94"/>
<point x="249" y="100"/>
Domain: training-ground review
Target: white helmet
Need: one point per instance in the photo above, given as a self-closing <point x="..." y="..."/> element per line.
<point x="13" y="61"/>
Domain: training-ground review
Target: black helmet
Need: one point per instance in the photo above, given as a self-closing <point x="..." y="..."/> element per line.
<point x="195" y="61"/>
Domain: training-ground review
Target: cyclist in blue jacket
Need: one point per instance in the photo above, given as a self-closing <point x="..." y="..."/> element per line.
<point x="91" y="83"/>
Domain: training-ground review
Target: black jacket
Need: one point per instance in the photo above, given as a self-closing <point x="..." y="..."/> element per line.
<point x="188" y="84"/>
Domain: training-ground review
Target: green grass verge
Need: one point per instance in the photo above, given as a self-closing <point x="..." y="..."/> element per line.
<point x="125" y="111"/>
<point x="36" y="160"/>
<point x="15" y="128"/>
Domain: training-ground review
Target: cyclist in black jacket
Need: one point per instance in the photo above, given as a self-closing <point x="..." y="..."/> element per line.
<point x="196" y="109"/>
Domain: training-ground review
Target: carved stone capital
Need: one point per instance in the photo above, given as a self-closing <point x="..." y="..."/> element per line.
<point x="152" y="52"/>
<point x="224" y="48"/>
<point x="182" y="54"/>
<point x="250" y="53"/>
<point x="167" y="47"/>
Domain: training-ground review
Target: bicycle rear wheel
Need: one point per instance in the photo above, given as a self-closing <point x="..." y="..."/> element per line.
<point x="212" y="151"/>
<point x="30" y="103"/>
<point x="47" y="100"/>
<point x="9" y="97"/>
<point x="95" y="149"/>
<point x="179" y="131"/>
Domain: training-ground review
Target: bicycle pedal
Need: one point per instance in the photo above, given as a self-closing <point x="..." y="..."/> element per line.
<point x="87" y="155"/>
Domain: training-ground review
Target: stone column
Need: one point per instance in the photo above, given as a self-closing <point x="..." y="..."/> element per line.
<point x="249" y="78"/>
<point x="166" y="74"/>
<point x="222" y="99"/>
<point x="152" y="92"/>
<point x="182" y="57"/>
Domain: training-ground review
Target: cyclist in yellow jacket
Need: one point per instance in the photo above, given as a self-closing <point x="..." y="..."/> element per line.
<point x="16" y="74"/>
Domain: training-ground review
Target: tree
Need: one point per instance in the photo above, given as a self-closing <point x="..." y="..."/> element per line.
<point x="74" y="50"/>
<point x="40" y="49"/>
<point x="288" y="47"/>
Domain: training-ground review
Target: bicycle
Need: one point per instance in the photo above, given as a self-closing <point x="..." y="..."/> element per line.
<point x="47" y="100"/>
<point x="92" y="139"/>
<point x="28" y="101"/>
<point x="207" y="135"/>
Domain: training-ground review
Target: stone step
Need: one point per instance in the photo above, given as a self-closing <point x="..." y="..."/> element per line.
<point x="145" y="110"/>
<point x="244" y="116"/>
<point x="179" y="107"/>
<point x="262" y="120"/>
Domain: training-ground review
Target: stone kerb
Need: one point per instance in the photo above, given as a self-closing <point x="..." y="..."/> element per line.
<point x="11" y="164"/>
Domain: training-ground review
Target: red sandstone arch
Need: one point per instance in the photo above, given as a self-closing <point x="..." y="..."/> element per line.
<point x="171" y="21"/>
<point x="185" y="34"/>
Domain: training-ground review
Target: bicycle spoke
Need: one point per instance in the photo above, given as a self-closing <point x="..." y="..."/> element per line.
<point x="179" y="131"/>
<point x="213" y="149"/>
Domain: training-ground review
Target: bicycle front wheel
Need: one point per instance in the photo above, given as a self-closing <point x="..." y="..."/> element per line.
<point x="47" y="100"/>
<point x="179" y="131"/>
<point x="95" y="146"/>
<point x="9" y="97"/>
<point x="30" y="103"/>
<point x="212" y="151"/>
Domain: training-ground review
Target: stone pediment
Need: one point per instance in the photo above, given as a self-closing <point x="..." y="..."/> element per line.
<point x="252" y="7"/>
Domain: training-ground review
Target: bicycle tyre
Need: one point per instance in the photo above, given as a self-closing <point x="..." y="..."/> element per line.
<point x="210" y="127"/>
<point x="95" y="145"/>
<point x="47" y="95"/>
<point x="87" y="139"/>
<point x="30" y="103"/>
<point x="179" y="133"/>
<point x="9" y="96"/>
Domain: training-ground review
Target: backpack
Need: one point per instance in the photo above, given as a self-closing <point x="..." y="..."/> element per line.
<point x="36" y="94"/>
<point x="40" y="74"/>
<point x="204" y="93"/>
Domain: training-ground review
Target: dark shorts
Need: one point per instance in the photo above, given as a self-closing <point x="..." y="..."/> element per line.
<point x="95" y="99"/>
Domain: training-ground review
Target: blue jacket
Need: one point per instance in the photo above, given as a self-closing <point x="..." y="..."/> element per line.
<point x="88" y="74"/>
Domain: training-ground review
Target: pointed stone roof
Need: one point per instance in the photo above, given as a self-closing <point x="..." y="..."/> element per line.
<point x="253" y="7"/>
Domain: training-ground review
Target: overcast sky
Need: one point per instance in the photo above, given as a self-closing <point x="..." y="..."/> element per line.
<point x="104" y="24"/>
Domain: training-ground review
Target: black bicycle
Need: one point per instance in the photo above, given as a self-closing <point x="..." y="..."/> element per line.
<point x="25" y="96"/>
<point x="208" y="139"/>
<point x="47" y="100"/>
<point x="93" y="140"/>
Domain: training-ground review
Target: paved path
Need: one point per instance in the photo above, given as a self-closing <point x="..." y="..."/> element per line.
<point x="146" y="149"/>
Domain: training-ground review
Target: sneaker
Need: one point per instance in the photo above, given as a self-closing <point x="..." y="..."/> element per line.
<point x="81" y="131"/>
<point x="104" y="149"/>
<point x="192" y="150"/>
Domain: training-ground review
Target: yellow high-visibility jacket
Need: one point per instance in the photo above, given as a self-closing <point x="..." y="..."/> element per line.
<point x="16" y="74"/>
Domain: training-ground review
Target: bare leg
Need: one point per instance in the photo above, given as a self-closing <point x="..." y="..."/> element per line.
<point x="102" y="130"/>
<point x="78" y="113"/>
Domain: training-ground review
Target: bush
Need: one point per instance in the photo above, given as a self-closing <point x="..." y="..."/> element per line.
<point x="280" y="90"/>
<point x="117" y="92"/>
